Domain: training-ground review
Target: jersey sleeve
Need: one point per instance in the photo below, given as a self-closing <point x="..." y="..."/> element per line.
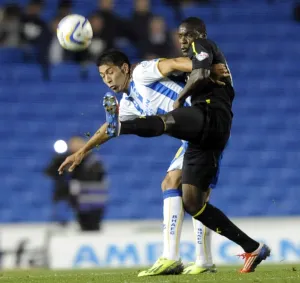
<point x="147" y="72"/>
<point x="127" y="110"/>
<point x="201" y="54"/>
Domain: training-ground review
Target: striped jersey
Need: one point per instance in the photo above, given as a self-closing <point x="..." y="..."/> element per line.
<point x="150" y="92"/>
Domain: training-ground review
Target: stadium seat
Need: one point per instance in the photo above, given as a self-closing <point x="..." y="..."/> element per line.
<point x="259" y="172"/>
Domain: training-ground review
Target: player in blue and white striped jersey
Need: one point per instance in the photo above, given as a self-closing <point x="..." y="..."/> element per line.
<point x="150" y="93"/>
<point x="145" y="92"/>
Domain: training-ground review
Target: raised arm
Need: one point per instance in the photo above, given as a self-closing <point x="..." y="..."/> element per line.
<point x="195" y="80"/>
<point x="201" y="57"/>
<point x="100" y="137"/>
<point x="182" y="64"/>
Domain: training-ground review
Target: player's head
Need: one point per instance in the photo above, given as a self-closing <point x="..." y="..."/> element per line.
<point x="190" y="29"/>
<point x="114" y="68"/>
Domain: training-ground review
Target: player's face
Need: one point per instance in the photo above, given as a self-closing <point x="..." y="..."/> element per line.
<point x="113" y="77"/>
<point x="186" y="36"/>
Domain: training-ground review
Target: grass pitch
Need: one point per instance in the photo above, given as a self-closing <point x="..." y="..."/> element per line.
<point x="263" y="274"/>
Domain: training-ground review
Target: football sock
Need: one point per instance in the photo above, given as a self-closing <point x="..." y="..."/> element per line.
<point x="203" y="237"/>
<point x="172" y="224"/>
<point x="148" y="126"/>
<point x="217" y="221"/>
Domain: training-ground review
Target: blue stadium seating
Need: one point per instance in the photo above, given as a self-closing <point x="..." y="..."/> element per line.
<point x="259" y="174"/>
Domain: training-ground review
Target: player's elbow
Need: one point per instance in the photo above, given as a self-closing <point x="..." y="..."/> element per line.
<point x="182" y="64"/>
<point x="199" y="74"/>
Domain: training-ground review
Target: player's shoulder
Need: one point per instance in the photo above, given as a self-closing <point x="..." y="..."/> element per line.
<point x="146" y="72"/>
<point x="144" y="66"/>
<point x="205" y="43"/>
<point x="124" y="100"/>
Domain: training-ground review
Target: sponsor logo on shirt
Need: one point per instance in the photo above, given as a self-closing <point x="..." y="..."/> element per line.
<point x="202" y="56"/>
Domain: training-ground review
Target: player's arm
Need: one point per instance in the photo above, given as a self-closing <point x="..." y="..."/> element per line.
<point x="100" y="137"/>
<point x="167" y="66"/>
<point x="201" y="57"/>
<point x="195" y="80"/>
<point x="127" y="111"/>
<point x="183" y="64"/>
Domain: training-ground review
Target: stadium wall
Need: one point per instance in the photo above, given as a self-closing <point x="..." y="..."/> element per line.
<point x="133" y="244"/>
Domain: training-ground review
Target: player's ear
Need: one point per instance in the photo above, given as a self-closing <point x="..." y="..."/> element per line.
<point x="202" y="35"/>
<point x="125" y="68"/>
<point x="197" y="34"/>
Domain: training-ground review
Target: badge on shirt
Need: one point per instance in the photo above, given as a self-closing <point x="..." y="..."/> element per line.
<point x="202" y="56"/>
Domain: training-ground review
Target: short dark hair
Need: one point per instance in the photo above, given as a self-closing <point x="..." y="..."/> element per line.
<point x="114" y="57"/>
<point x="196" y="23"/>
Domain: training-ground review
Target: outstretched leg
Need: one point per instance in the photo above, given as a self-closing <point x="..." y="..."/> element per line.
<point x="183" y="123"/>
<point x="199" y="168"/>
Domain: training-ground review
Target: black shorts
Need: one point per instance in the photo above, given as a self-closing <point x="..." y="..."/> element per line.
<point x="200" y="167"/>
<point x="206" y="129"/>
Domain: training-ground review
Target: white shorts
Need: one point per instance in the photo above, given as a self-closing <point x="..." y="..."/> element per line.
<point x="177" y="162"/>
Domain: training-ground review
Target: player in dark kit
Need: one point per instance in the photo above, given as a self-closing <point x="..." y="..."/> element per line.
<point x="205" y="125"/>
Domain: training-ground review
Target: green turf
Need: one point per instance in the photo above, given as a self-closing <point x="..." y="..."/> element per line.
<point x="263" y="274"/>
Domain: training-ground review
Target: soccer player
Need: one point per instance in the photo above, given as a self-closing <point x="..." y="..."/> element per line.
<point x="206" y="126"/>
<point x="204" y="261"/>
<point x="157" y="98"/>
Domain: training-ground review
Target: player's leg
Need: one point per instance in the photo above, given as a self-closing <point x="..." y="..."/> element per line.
<point x="188" y="124"/>
<point x="204" y="261"/>
<point x="173" y="213"/>
<point x="184" y="123"/>
<point x="173" y="180"/>
<point x="202" y="234"/>
<point x="199" y="168"/>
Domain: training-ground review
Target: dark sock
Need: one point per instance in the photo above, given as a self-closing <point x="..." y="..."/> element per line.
<point x="150" y="126"/>
<point x="217" y="221"/>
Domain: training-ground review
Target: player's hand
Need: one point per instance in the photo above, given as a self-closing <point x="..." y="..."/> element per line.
<point x="177" y="104"/>
<point x="219" y="71"/>
<point x="72" y="161"/>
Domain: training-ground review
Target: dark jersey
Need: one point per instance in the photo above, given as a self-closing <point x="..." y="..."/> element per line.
<point x="204" y="53"/>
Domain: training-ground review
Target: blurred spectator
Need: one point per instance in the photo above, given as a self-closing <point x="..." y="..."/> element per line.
<point x="111" y="23"/>
<point x="88" y="184"/>
<point x="115" y="28"/>
<point x="33" y="28"/>
<point x="36" y="35"/>
<point x="56" y="53"/>
<point x="159" y="40"/>
<point x="64" y="8"/>
<point x="99" y="42"/>
<point x="141" y="20"/>
<point x="176" y="44"/>
<point x="61" y="190"/>
<point x="297" y="12"/>
<point x="176" y="5"/>
<point x="10" y="25"/>
<point x="84" y="189"/>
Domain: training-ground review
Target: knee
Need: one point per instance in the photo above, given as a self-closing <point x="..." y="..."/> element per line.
<point x="171" y="181"/>
<point x="192" y="206"/>
<point x="192" y="203"/>
<point x="164" y="184"/>
<point x="168" y="120"/>
<point x="207" y="232"/>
